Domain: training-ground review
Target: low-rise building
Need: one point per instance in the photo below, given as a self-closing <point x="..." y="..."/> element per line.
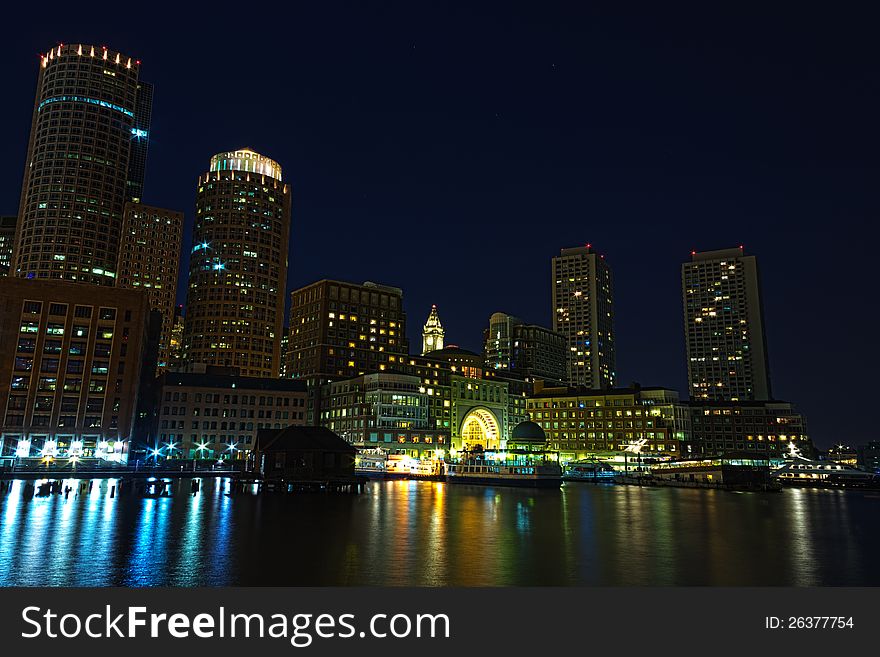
<point x="385" y="409"/>
<point x="216" y="414"/>
<point x="304" y="454"/>
<point x="760" y="427"/>
<point x="580" y="423"/>
<point x="427" y="406"/>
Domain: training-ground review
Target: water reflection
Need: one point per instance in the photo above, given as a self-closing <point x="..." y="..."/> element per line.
<point x="434" y="534"/>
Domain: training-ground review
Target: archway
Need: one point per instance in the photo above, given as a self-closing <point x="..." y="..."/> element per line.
<point x="480" y="427"/>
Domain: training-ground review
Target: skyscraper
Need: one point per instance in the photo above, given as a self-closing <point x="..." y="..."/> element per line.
<point x="238" y="265"/>
<point x="433" y="332"/>
<point x="583" y="311"/>
<point x="724" y="327"/>
<point x="77" y="170"/>
<point x="149" y="259"/>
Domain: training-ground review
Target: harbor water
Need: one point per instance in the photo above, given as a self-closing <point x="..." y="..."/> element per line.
<point x="422" y="533"/>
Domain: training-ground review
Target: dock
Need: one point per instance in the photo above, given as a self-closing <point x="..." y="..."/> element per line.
<point x="157" y="485"/>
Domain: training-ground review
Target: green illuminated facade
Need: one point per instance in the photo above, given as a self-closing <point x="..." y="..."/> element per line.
<point x="428" y="406"/>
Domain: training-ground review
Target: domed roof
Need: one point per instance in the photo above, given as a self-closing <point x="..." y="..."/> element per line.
<point x="528" y="432"/>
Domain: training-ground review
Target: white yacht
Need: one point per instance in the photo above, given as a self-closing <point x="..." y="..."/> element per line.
<point x="807" y="472"/>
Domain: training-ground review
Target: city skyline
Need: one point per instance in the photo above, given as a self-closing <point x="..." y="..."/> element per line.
<point x="650" y="344"/>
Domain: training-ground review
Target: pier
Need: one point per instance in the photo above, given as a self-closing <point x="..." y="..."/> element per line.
<point x="156" y="485"/>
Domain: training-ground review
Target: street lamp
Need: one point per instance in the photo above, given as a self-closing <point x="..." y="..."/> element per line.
<point x="200" y="449"/>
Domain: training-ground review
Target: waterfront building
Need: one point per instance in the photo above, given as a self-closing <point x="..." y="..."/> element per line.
<point x="581" y="423"/>
<point x="483" y="404"/>
<point x="238" y="265"/>
<point x="149" y="259"/>
<point x="433" y="332"/>
<point x="7" y="243"/>
<point x="528" y="436"/>
<point x="341" y="330"/>
<point x="532" y="352"/>
<point x="724" y="327"/>
<point x="71" y="359"/>
<point x="480" y="413"/>
<point x="518" y="392"/>
<point x="434" y="375"/>
<point x="387" y="409"/>
<point x="305" y="454"/>
<point x="429" y="406"/>
<point x="86" y="123"/>
<point x="213" y="412"/>
<point x="758" y="427"/>
<point x="583" y="311"/>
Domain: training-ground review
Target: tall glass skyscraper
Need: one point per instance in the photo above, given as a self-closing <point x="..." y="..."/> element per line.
<point x="238" y="265"/>
<point x="90" y="114"/>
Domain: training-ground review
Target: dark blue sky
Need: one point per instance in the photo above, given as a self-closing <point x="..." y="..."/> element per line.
<point x="453" y="151"/>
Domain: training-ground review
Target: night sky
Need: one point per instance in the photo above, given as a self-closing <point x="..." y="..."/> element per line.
<point x="453" y="151"/>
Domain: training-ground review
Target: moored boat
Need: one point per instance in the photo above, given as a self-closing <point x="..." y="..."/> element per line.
<point x="588" y="470"/>
<point x="824" y="474"/>
<point x="515" y="467"/>
<point x="379" y="464"/>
